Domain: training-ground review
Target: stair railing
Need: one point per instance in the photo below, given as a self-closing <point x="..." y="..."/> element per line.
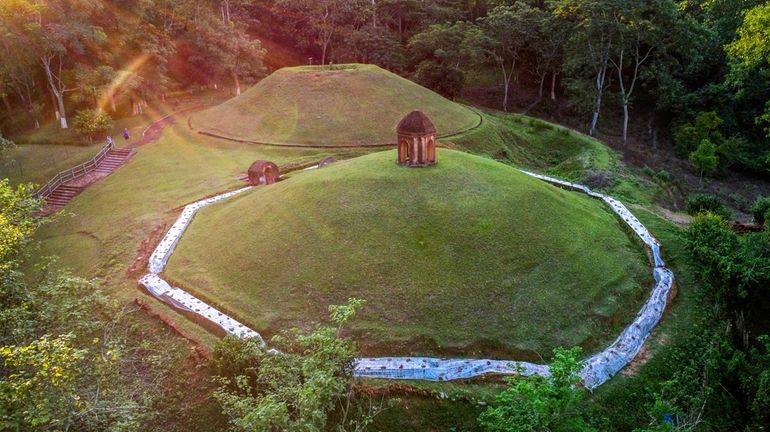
<point x="75" y="172"/>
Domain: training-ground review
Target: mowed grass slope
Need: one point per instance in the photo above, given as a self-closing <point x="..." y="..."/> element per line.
<point x="111" y="227"/>
<point x="344" y="105"/>
<point x="468" y="257"/>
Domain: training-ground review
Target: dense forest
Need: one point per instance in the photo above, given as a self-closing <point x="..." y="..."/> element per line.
<point x="694" y="73"/>
<point x="687" y="77"/>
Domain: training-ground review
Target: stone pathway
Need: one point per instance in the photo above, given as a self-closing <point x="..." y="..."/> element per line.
<point x="597" y="369"/>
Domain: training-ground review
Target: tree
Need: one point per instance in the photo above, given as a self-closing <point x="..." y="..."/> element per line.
<point x="705" y="157"/>
<point x="319" y="21"/>
<point x="54" y="31"/>
<point x="642" y="29"/>
<point x="92" y="123"/>
<point x="541" y="403"/>
<point x="753" y="42"/>
<point x="548" y="48"/>
<point x="294" y="389"/>
<point x="752" y="47"/>
<point x="510" y="30"/>
<point x="239" y="56"/>
<point x="594" y="34"/>
<point x="440" y="53"/>
<point x="376" y="46"/>
<point x="761" y="210"/>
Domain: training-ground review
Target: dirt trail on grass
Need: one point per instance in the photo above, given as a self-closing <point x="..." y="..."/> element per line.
<point x="153" y="131"/>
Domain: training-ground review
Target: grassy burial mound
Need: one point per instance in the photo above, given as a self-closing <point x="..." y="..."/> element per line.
<point x="468" y="257"/>
<point x="342" y="106"/>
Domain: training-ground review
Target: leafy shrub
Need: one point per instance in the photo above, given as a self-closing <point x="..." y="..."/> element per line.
<point x="705" y="157"/>
<point x="689" y="136"/>
<point x="705" y="203"/>
<point x="92" y="123"/>
<point x="662" y="176"/>
<point x="760" y="210"/>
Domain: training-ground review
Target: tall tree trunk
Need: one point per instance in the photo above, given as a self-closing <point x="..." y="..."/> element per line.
<point x="600" y="80"/>
<point x="542" y="83"/>
<point x="56" y="91"/>
<point x="553" y="85"/>
<point x="7" y="104"/>
<point x="374" y="13"/>
<point x="323" y="51"/>
<point x="62" y="112"/>
<point x="506" y="81"/>
<point x="625" y="119"/>
<point x="113" y="107"/>
<point x="54" y="105"/>
<point x="237" y="84"/>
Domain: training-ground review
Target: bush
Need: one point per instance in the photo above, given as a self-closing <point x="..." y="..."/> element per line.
<point x="92" y="123"/>
<point x="689" y="136"/>
<point x="760" y="210"/>
<point x="705" y="157"/>
<point x="705" y="203"/>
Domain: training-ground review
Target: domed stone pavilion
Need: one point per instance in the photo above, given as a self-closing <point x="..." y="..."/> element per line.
<point x="416" y="140"/>
<point x="263" y="172"/>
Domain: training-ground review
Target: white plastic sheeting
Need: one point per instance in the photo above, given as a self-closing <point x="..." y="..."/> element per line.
<point x="432" y="369"/>
<point x="185" y="301"/>
<point x="182" y="299"/>
<point x="598" y="368"/>
<point x="162" y="253"/>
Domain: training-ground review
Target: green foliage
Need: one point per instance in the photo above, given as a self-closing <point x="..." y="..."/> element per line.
<point x="442" y="78"/>
<point x="756" y="382"/>
<point x="375" y="46"/>
<point x="16" y="222"/>
<point x="92" y="123"/>
<point x="736" y="268"/>
<point x="541" y="403"/>
<point x="689" y="136"/>
<point x="294" y="389"/>
<point x="5" y="145"/>
<point x="705" y="157"/>
<point x="753" y="42"/>
<point x="705" y="203"/>
<point x="760" y="210"/>
<point x="442" y="51"/>
<point x="39" y="384"/>
<point x="701" y="368"/>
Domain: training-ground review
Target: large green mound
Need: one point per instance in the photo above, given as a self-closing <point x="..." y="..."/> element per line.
<point x="322" y="106"/>
<point x="469" y="256"/>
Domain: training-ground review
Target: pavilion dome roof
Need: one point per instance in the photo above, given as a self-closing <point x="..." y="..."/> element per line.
<point x="416" y="123"/>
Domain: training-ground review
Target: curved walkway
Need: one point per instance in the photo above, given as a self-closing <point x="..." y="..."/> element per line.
<point x="597" y="369"/>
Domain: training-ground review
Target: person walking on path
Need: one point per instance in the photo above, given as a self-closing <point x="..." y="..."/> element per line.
<point x="125" y="134"/>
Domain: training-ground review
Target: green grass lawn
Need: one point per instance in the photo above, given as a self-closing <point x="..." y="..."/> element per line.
<point x="102" y="229"/>
<point x="42" y="153"/>
<point x="349" y="105"/>
<point x="468" y="257"/>
<point x="537" y="144"/>
<point x="38" y="163"/>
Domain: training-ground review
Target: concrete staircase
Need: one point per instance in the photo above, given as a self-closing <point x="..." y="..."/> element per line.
<point x="64" y="193"/>
<point x="60" y="197"/>
<point x="112" y="160"/>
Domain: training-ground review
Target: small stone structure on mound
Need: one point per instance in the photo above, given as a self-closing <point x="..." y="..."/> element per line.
<point x="263" y="172"/>
<point x="328" y="160"/>
<point x="416" y="140"/>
